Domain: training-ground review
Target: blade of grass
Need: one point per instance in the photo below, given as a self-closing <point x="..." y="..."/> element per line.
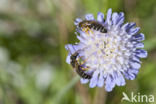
<point x="62" y="92"/>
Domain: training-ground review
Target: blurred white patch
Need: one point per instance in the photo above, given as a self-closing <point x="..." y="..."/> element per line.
<point x="3" y="56"/>
<point x="4" y="5"/>
<point x="44" y="77"/>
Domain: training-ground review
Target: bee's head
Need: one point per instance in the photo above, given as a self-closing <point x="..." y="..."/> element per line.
<point x="84" y="24"/>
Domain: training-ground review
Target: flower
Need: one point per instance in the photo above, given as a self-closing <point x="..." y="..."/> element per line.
<point x="111" y="56"/>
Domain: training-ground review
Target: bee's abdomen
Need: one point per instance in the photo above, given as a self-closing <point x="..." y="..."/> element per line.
<point x="98" y="27"/>
<point x="82" y="73"/>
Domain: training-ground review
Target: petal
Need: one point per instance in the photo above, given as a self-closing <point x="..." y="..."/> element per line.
<point x="135" y="65"/>
<point x="79" y="46"/>
<point x="134" y="31"/>
<point x="120" y="81"/>
<point x="84" y="81"/>
<point x="101" y="80"/>
<point x="89" y="17"/>
<point x="108" y="19"/>
<point x="141" y="53"/>
<point x="82" y="34"/>
<point x="131" y="73"/>
<point x="136" y="59"/>
<point x="82" y="40"/>
<point x="100" y="17"/>
<point x="108" y="81"/>
<point x="138" y="37"/>
<point x="70" y="48"/>
<point x="94" y="79"/>
<point x="130" y="26"/>
<point x="68" y="59"/>
<point x="125" y="26"/>
<point x="139" y="45"/>
<point x="121" y="19"/>
<point x="77" y="21"/>
<point x="134" y="71"/>
<point x="109" y="84"/>
<point x="114" y="18"/>
<point x="129" y="76"/>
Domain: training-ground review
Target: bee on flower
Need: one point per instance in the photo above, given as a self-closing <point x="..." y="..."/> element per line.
<point x="110" y="49"/>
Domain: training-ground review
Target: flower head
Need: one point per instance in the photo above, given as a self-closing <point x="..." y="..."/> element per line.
<point x="112" y="55"/>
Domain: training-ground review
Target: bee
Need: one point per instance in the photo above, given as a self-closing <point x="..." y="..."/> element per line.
<point x="80" y="69"/>
<point x="87" y="25"/>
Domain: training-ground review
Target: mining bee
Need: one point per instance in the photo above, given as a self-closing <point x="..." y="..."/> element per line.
<point x="79" y="67"/>
<point x="87" y="25"/>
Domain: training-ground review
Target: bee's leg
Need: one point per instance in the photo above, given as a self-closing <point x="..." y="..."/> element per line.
<point x="86" y="30"/>
<point x="84" y="68"/>
<point x="89" y="30"/>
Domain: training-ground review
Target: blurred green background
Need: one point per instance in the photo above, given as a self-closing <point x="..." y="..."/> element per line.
<point x="32" y="54"/>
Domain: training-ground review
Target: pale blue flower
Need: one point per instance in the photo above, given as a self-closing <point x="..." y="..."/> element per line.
<point x="111" y="56"/>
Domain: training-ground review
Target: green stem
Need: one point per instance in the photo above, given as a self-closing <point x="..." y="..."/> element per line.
<point x="100" y="96"/>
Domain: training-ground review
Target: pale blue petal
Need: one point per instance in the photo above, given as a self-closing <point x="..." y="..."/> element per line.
<point x="89" y="17"/>
<point x="120" y="81"/>
<point x="131" y="73"/>
<point x="94" y="79"/>
<point x="121" y="19"/>
<point x="139" y="45"/>
<point x="138" y="37"/>
<point x="131" y="25"/>
<point x="135" y="65"/>
<point x="101" y="80"/>
<point x="68" y="59"/>
<point x="136" y="59"/>
<point x="108" y="19"/>
<point x="141" y="53"/>
<point x="100" y="17"/>
<point x="125" y="26"/>
<point x="84" y="81"/>
<point x="77" y="21"/>
<point x="109" y="83"/>
<point x="79" y="46"/>
<point x="129" y="76"/>
<point x="134" y="71"/>
<point x="70" y="48"/>
<point x="82" y="34"/>
<point x="134" y="31"/>
<point x="81" y="39"/>
<point x="114" y="18"/>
